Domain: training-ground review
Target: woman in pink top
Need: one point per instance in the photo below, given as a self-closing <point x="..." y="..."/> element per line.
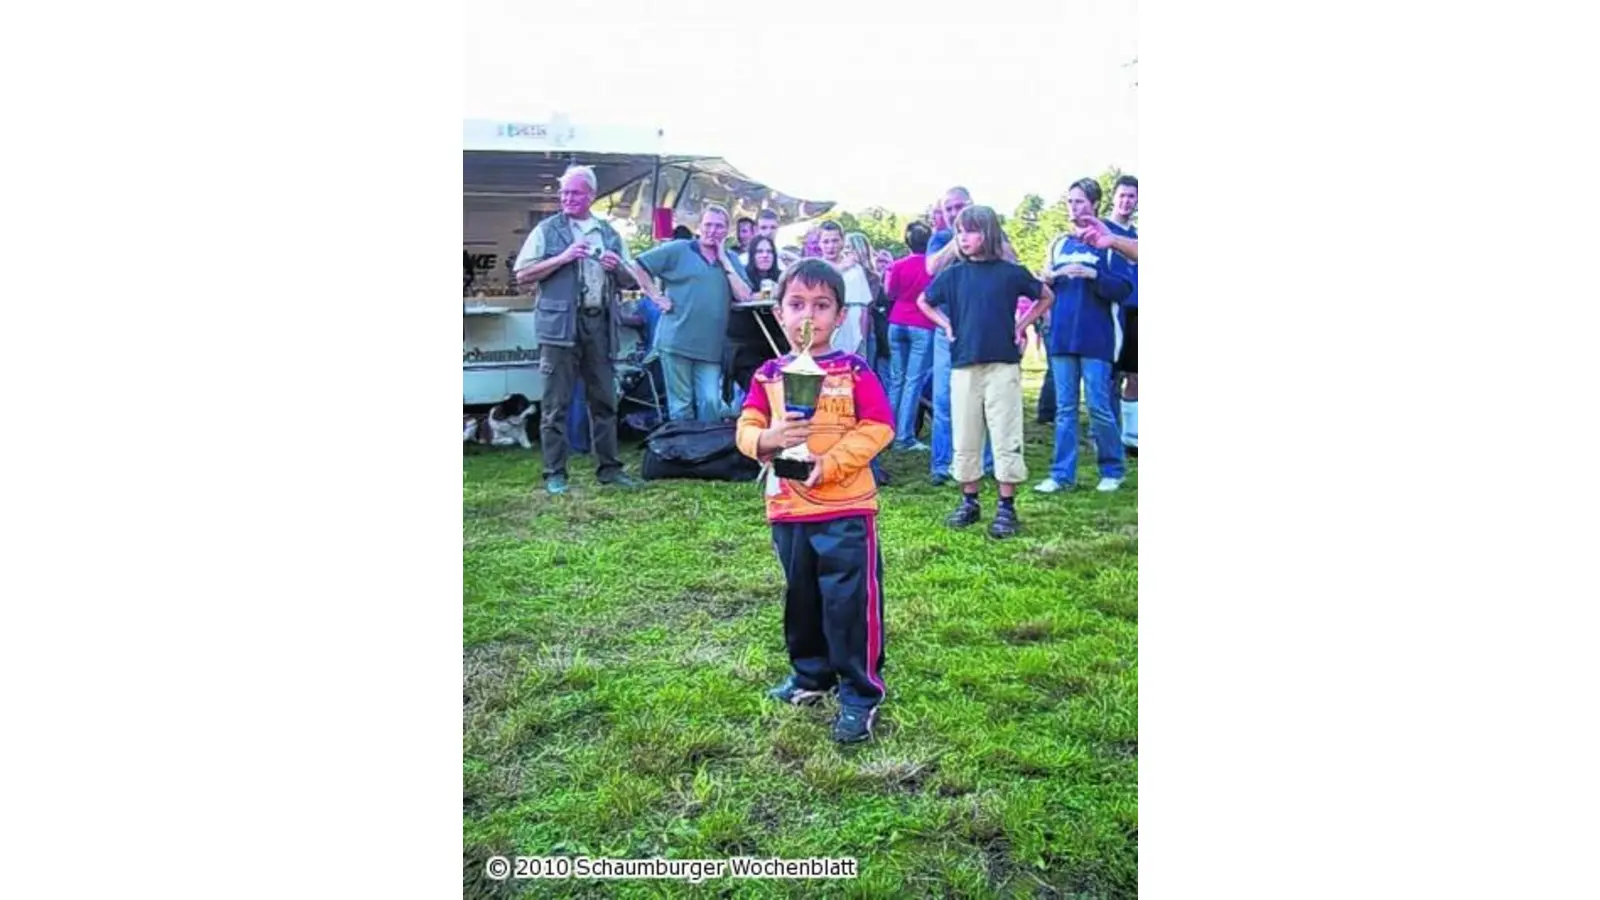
<point x="910" y="337"/>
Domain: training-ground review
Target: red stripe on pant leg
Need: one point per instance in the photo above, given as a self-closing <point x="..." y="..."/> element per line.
<point x="874" y="609"/>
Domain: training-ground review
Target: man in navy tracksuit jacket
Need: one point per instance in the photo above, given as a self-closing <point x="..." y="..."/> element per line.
<point x="1125" y="368"/>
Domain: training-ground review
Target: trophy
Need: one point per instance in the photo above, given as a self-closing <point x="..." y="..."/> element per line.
<point x="802" y="385"/>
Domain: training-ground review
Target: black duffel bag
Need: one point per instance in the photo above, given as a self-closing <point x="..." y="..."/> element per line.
<point x="698" y="450"/>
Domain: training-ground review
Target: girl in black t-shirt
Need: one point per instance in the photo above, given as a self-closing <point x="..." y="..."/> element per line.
<point x="975" y="303"/>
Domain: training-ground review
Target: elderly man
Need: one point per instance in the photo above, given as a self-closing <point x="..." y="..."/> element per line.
<point x="580" y="266"/>
<point x="699" y="285"/>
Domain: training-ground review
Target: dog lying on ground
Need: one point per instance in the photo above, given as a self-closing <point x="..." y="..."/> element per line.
<point x="504" y="426"/>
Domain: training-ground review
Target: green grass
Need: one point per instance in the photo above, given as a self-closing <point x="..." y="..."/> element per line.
<point x="618" y="646"/>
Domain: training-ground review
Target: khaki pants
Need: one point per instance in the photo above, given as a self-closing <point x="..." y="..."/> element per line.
<point x="987" y="397"/>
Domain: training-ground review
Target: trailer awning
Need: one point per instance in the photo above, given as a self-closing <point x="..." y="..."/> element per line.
<point x="521" y="161"/>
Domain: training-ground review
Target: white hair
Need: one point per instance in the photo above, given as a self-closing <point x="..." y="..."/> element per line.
<point x="584" y="172"/>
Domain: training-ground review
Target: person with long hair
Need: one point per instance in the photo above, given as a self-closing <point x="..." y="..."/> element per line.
<point x="855" y="326"/>
<point x="811" y="247"/>
<point x="748" y="345"/>
<point x="875" y="343"/>
<point x="851" y="335"/>
<point x="974" y="302"/>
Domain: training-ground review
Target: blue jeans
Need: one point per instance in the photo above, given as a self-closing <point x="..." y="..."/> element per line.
<point x="879" y="360"/>
<point x="1096" y="377"/>
<point x="694" y="388"/>
<point x="943" y="440"/>
<point x="1047" y="397"/>
<point x="910" y="360"/>
<point x="869" y="351"/>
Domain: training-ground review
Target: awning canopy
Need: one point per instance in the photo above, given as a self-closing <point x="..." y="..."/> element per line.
<point x="690" y="182"/>
<point x="521" y="161"/>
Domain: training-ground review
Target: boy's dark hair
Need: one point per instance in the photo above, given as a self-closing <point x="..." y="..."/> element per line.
<point x="1090" y="188"/>
<point x="831" y="225"/>
<point x="1126" y="181"/>
<point x="811" y="273"/>
<point x="682" y="233"/>
<point x="768" y="214"/>
<point x="742" y="220"/>
<point x="986" y="222"/>
<point x="917" y="236"/>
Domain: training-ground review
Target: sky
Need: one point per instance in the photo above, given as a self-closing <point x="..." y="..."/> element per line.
<point x="1024" y="97"/>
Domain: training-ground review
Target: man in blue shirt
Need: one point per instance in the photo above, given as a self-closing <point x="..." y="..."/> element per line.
<point x="699" y="286"/>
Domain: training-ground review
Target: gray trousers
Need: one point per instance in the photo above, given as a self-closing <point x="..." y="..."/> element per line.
<point x="589" y="359"/>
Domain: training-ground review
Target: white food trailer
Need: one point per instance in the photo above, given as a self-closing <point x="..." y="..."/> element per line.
<point x="509" y="172"/>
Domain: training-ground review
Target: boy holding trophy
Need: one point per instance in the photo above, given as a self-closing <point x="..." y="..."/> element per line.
<point x="817" y="416"/>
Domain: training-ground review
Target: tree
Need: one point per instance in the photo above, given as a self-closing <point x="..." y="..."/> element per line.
<point x="884" y="230"/>
<point x="641" y="241"/>
<point x="1037" y="224"/>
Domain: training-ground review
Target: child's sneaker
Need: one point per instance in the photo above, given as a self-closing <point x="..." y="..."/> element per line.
<point x="965" y="514"/>
<point x="854" y="725"/>
<point x="792" y="693"/>
<point x="1050" y="486"/>
<point x="1107" y="485"/>
<point x="1005" y="523"/>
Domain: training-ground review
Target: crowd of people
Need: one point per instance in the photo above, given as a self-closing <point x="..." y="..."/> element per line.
<point x="950" y="319"/>
<point x="908" y="318"/>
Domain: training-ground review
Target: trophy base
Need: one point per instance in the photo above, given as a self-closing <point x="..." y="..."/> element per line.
<point x="795" y="469"/>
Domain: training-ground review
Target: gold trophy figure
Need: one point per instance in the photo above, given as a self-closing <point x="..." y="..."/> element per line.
<point x="802" y="386"/>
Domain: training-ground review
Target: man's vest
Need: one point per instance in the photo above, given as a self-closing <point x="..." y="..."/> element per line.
<point x="560" y="292"/>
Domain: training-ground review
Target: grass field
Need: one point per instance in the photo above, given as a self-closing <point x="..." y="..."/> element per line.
<point x="619" y="644"/>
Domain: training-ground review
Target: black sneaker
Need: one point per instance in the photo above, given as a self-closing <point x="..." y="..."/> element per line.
<point x="854" y="724"/>
<point x="792" y="693"/>
<point x="621" y="480"/>
<point x="1005" y="523"/>
<point x="965" y="514"/>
